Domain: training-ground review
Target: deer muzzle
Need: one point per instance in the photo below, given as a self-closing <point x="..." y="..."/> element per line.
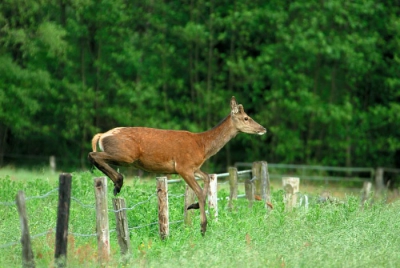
<point x="262" y="131"/>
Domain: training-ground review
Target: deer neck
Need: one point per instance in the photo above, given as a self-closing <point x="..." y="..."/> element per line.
<point x="214" y="139"/>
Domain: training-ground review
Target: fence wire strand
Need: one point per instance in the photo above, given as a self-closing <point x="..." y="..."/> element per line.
<point x="82" y="204"/>
<point x="12" y="203"/>
<point x="8" y="204"/>
<point x="131" y="208"/>
<point x="119" y="210"/>
<point x="10" y="244"/>
<point x="41" y="196"/>
<point x="153" y="223"/>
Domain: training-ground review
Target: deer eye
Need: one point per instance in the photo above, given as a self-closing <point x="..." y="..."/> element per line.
<point x="246" y="118"/>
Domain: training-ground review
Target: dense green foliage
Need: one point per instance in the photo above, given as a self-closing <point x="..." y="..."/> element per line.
<point x="330" y="235"/>
<point x="322" y="76"/>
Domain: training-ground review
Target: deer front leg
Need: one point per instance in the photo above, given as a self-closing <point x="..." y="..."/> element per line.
<point x="98" y="159"/>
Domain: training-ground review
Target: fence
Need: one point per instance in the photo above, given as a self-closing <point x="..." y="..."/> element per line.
<point x="103" y="231"/>
<point x="256" y="188"/>
<point x="323" y="172"/>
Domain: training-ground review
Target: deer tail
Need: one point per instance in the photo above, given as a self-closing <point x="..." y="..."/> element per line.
<point x="95" y="140"/>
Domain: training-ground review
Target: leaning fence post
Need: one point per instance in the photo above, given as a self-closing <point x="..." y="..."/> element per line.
<point x="212" y="195"/>
<point x="162" y="193"/>
<point x="189" y="200"/>
<point x="103" y="233"/>
<point x="121" y="225"/>
<point x="27" y="253"/>
<point x="233" y="185"/>
<point x="64" y="201"/>
<point x="291" y="187"/>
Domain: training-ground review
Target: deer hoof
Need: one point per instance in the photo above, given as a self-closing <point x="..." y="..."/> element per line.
<point x="116" y="190"/>
<point x="118" y="184"/>
<point x="193" y="206"/>
<point x="203" y="229"/>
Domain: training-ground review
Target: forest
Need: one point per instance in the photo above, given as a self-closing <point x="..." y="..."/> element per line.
<point x="322" y="76"/>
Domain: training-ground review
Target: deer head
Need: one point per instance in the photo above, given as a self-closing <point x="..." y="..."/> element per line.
<point x="243" y="122"/>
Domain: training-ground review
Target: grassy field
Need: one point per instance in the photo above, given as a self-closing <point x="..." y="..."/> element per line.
<point x="325" y="235"/>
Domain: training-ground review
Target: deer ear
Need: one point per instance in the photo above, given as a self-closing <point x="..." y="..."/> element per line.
<point x="234" y="106"/>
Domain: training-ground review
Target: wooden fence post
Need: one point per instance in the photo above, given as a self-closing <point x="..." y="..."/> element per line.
<point x="233" y="185"/>
<point x="380" y="185"/>
<point x="249" y="188"/>
<point x="291" y="187"/>
<point x="103" y="232"/>
<point x="52" y="163"/>
<point x="64" y="201"/>
<point x="162" y="193"/>
<point x="121" y="225"/>
<point x="212" y="195"/>
<point x="366" y="192"/>
<point x="255" y="174"/>
<point x="265" y="185"/>
<point x="27" y="253"/>
<point x="189" y="199"/>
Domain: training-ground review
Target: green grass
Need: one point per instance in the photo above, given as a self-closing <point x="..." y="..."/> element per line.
<point x="329" y="235"/>
<point x="21" y="174"/>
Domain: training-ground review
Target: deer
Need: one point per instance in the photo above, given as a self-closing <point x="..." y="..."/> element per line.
<point x="170" y="151"/>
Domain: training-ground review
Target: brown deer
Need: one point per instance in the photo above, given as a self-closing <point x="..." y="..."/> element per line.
<point x="169" y="151"/>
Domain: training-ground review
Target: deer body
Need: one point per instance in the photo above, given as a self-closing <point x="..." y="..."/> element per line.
<point x="169" y="151"/>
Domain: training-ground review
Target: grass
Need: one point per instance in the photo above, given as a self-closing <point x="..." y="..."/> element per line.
<point x="18" y="174"/>
<point x="325" y="235"/>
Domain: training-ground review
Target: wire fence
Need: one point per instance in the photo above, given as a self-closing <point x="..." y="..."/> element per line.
<point x="12" y="203"/>
<point x="304" y="201"/>
<point x="86" y="206"/>
<point x="149" y="196"/>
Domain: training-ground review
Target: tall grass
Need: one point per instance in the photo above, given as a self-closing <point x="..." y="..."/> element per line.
<point x="325" y="235"/>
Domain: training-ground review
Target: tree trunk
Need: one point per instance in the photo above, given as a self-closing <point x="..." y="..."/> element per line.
<point x="196" y="79"/>
<point x="164" y="63"/>
<point x="3" y="140"/>
<point x="210" y="64"/>
<point x="311" y="124"/>
<point x="63" y="13"/>
<point x="97" y="86"/>
<point x="191" y="65"/>
<point x="231" y="79"/>
<point x="83" y="75"/>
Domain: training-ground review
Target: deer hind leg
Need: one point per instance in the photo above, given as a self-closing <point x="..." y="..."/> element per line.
<point x="100" y="159"/>
<point x="190" y="180"/>
<point x="206" y="187"/>
<point x="206" y="179"/>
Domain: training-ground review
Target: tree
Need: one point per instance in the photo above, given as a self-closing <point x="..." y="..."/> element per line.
<point x="323" y="77"/>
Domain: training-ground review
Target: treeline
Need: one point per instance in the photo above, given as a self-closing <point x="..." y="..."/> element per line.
<point x="322" y="76"/>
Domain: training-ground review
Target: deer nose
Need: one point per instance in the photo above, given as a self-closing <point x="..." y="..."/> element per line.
<point x="263" y="131"/>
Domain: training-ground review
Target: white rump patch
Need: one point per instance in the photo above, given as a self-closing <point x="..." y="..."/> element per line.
<point x="101" y="146"/>
<point x="107" y="134"/>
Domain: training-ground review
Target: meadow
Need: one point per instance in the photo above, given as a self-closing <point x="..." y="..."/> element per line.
<point x="325" y="235"/>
